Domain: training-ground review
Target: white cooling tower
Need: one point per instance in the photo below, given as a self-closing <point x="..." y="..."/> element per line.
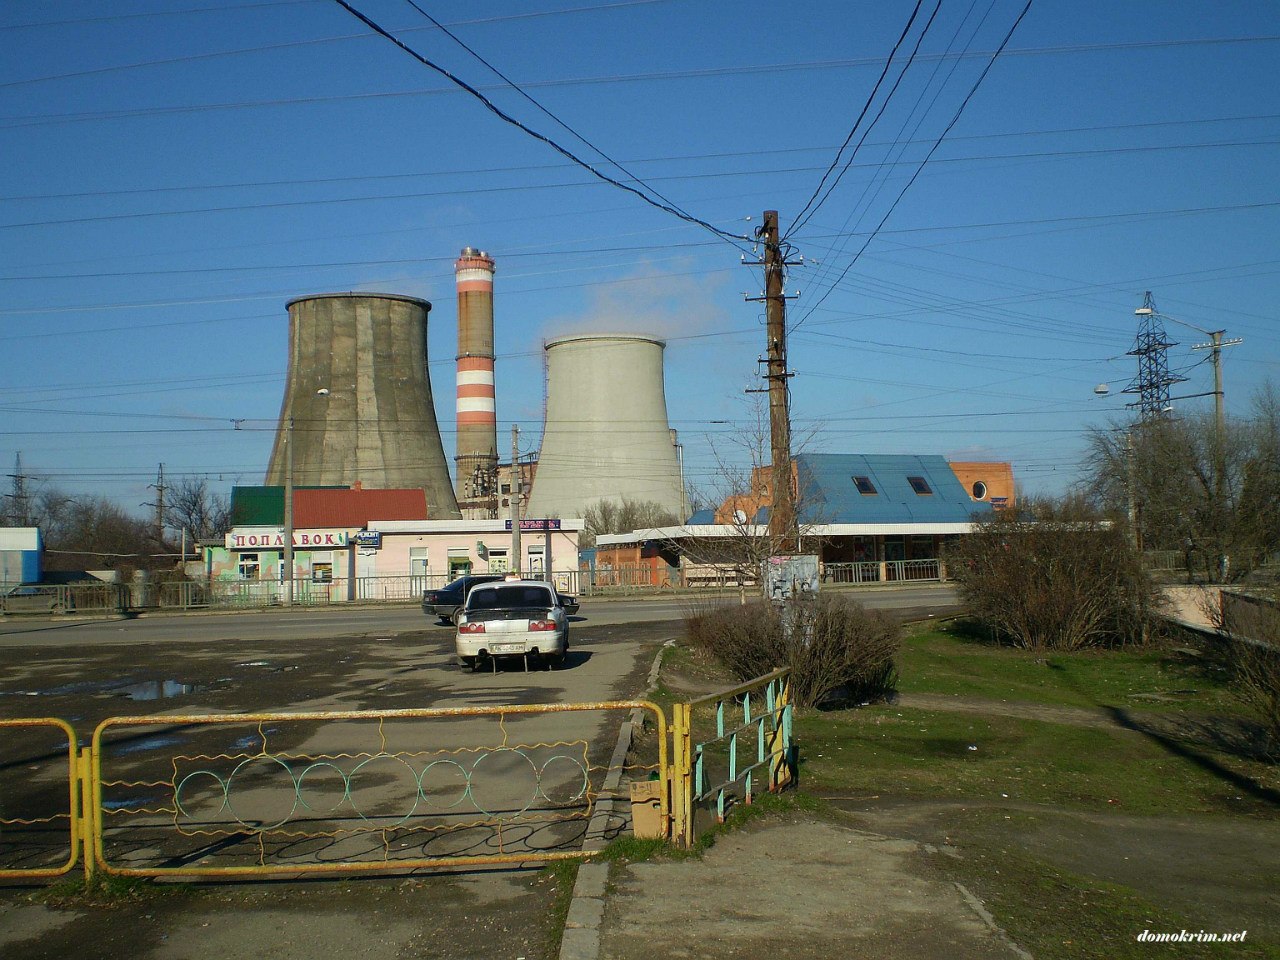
<point x="606" y="435"/>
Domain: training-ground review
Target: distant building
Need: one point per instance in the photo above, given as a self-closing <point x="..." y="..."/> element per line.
<point x="867" y="517"/>
<point x="356" y="544"/>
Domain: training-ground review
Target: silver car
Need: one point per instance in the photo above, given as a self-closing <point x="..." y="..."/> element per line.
<point x="512" y="618"/>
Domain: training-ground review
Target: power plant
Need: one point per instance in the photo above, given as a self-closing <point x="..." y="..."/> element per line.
<point x="357" y="404"/>
<point x="605" y="436"/>
<point x="476" y="460"/>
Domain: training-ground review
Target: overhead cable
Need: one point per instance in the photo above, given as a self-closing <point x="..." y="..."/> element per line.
<point x="942" y="136"/>
<point x="732" y="238"/>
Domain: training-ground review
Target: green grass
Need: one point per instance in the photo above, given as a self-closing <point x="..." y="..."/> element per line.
<point x="563" y="874"/>
<point x="955" y="660"/>
<point x="1058" y="915"/>
<point x="890" y="751"/>
<point x="105" y="890"/>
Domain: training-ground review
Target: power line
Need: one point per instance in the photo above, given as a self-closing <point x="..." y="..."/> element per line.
<point x="489" y="105"/>
<point x="801" y="216"/>
<point x="520" y="90"/>
<point x="960" y="110"/>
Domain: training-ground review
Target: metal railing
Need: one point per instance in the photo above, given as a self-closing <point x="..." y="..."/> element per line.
<point x="65" y="598"/>
<point x="337" y="792"/>
<point x="748" y="748"/>
<point x="884" y="571"/>
<point x="41" y="838"/>
<point x="862" y="571"/>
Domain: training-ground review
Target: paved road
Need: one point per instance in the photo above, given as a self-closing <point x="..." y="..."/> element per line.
<point x="383" y="621"/>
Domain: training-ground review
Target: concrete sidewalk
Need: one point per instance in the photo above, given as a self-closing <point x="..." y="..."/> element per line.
<point x="804" y="888"/>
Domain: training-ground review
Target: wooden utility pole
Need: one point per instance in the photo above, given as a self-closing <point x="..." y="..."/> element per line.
<point x="782" y="510"/>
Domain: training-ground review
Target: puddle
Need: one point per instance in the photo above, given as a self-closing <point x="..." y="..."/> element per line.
<point x="131" y="802"/>
<point x="143" y="745"/>
<point x="157" y="690"/>
<point x="130" y="689"/>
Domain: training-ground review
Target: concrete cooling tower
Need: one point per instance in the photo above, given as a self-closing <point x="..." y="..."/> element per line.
<point x="606" y="435"/>
<point x="360" y="398"/>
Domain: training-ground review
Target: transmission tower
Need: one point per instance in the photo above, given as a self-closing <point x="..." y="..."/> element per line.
<point x="1154" y="379"/>
<point x="20" y="511"/>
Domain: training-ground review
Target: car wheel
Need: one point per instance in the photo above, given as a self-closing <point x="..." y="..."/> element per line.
<point x="467" y="662"/>
<point x="555" y="661"/>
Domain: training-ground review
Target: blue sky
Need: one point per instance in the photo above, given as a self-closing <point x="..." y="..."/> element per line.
<point x="174" y="172"/>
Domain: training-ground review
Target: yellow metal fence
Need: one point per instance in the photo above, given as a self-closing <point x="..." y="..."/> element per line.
<point x="342" y="792"/>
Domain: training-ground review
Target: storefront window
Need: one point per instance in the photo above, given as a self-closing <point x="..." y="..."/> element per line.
<point x="321" y="572"/>
<point x="249" y="567"/>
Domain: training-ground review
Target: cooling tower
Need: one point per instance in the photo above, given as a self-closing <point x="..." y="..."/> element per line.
<point x="360" y="398"/>
<point x="476" y="476"/>
<point x="606" y="435"/>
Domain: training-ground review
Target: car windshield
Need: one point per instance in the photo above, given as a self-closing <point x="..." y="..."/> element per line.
<point x="510" y="595"/>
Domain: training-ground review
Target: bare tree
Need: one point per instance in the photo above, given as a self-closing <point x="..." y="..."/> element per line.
<point x="744" y="541"/>
<point x="88" y="532"/>
<point x="1212" y="498"/>
<point x="1055" y="575"/>
<point x="191" y="506"/>
<point x="623" y="516"/>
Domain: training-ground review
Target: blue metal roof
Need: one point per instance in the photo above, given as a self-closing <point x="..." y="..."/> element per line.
<point x="828" y="493"/>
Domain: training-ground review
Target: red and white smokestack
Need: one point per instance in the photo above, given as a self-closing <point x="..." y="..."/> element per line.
<point x="477" y="444"/>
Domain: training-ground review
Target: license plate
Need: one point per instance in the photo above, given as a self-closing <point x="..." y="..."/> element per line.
<point x="508" y="647"/>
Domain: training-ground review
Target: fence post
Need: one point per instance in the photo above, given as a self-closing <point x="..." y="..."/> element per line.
<point x="84" y="827"/>
<point x="681" y="775"/>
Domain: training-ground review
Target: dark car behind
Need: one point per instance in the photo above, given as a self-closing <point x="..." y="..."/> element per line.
<point x="448" y="600"/>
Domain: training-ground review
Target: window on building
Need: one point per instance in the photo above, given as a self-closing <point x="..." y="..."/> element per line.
<point x="921" y="486"/>
<point x="249" y="566"/>
<point x="865" y="486"/>
<point x="979" y="490"/>
<point x="506" y="488"/>
<point x="418" y="561"/>
<point x="321" y="572"/>
<point x="497" y="561"/>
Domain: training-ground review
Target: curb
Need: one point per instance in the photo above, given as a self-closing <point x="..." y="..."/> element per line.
<point x="581" y="937"/>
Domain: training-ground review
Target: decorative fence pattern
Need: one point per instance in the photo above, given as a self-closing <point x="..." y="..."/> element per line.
<point x="325" y="793"/>
<point x="341" y="792"/>
<point x="41" y="810"/>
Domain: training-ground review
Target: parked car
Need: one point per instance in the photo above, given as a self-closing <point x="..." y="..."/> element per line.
<point x="569" y="603"/>
<point x="448" y="600"/>
<point x="514" y="618"/>
<point x="36" y="598"/>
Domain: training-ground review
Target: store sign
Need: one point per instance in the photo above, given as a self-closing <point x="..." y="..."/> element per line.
<point x="274" y="540"/>
<point x="550" y="524"/>
<point x="369" y="539"/>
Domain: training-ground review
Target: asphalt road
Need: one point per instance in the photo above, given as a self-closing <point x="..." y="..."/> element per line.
<point x="526" y="773"/>
<point x="381" y="621"/>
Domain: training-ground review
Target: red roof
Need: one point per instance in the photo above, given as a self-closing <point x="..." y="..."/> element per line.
<point x="355" y="508"/>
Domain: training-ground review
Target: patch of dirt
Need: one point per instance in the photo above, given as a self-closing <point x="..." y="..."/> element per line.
<point x="479" y="915"/>
<point x="1218" y="873"/>
<point x="797" y="888"/>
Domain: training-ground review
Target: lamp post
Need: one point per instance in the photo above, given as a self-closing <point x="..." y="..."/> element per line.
<point x="286" y="562"/>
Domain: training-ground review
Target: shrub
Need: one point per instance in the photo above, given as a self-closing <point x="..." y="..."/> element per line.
<point x="835" y="647"/>
<point x="1252" y="629"/>
<point x="1055" y="577"/>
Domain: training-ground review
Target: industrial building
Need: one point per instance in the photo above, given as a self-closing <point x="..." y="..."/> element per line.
<point x="357" y="404"/>
<point x="606" y="434"/>
<point x="476" y="458"/>
<point x="869" y="518"/>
